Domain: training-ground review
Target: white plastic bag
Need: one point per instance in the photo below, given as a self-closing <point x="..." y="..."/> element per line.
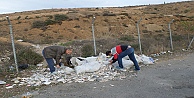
<point x="88" y="67"/>
<point x="147" y="60"/>
<point x="68" y="70"/>
<point x="126" y="63"/>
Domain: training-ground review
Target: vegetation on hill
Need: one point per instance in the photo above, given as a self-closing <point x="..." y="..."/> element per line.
<point x="117" y="24"/>
<point x="112" y="26"/>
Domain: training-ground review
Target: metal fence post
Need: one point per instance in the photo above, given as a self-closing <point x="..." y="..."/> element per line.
<point x="93" y="19"/>
<point x="190" y="43"/>
<point x="12" y="40"/>
<point x="139" y="36"/>
<point x="170" y="33"/>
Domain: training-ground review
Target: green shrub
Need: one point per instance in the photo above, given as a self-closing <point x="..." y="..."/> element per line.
<point x="126" y="38"/>
<point x="48" y="40"/>
<point x="87" y="51"/>
<point x="145" y="31"/>
<point x="49" y="22"/>
<point x="159" y="37"/>
<point x="153" y="13"/>
<point x="42" y="24"/>
<point x="60" y="17"/>
<point x="38" y="17"/>
<point x="27" y="56"/>
<point x="109" y="14"/>
<point x="176" y="37"/>
<point x="18" y="22"/>
<point x="106" y="20"/>
<point x="19" y="17"/>
<point x="26" y="17"/>
<point x="126" y="14"/>
<point x="189" y="26"/>
<point x="191" y="17"/>
<point x="38" y="24"/>
<point x="186" y="11"/>
<point x="67" y="43"/>
<point x="25" y="29"/>
<point x="135" y="46"/>
<point x="49" y="16"/>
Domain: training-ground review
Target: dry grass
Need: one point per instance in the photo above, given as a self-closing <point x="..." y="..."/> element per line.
<point x="110" y="25"/>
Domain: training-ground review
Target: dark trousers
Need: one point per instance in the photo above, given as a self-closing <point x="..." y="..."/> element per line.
<point x="50" y="63"/>
<point x="130" y="53"/>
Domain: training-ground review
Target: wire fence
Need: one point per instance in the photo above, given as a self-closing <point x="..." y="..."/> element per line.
<point x="154" y="37"/>
<point x="146" y="38"/>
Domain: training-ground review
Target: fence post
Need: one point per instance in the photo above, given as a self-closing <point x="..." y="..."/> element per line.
<point x="190" y="43"/>
<point x="170" y="33"/>
<point x="12" y="41"/>
<point x="93" y="19"/>
<point x="139" y="35"/>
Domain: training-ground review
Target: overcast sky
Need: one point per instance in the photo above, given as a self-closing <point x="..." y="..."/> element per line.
<point x="11" y="6"/>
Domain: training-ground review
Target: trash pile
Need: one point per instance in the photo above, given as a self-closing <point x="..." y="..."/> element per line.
<point x="86" y="69"/>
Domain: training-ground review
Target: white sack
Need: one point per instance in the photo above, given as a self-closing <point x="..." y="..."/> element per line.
<point x="2" y="82"/>
<point x="102" y="57"/>
<point x="88" y="67"/>
<point x="126" y="63"/>
<point x="138" y="58"/>
<point x="76" y="62"/>
<point x="68" y="70"/>
<point x="105" y="62"/>
<point x="88" y="59"/>
<point x="147" y="60"/>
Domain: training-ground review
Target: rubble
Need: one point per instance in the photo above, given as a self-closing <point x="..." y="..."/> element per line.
<point x="93" y="69"/>
<point x="2" y="82"/>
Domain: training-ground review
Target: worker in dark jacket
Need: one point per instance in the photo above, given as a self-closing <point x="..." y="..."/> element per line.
<point x="121" y="51"/>
<point x="54" y="52"/>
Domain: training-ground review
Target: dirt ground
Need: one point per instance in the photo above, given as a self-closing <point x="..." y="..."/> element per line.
<point x="107" y="26"/>
<point x="169" y="78"/>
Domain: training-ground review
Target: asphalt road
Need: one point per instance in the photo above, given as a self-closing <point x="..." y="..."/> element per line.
<point x="168" y="79"/>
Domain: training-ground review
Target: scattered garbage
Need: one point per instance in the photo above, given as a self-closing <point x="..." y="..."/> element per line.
<point x="2" y="82"/>
<point x="147" y="60"/>
<point x="161" y="53"/>
<point x="39" y="65"/>
<point x="86" y="69"/>
<point x="20" y="40"/>
<point x="10" y="86"/>
<point x="11" y="68"/>
<point x="27" y="95"/>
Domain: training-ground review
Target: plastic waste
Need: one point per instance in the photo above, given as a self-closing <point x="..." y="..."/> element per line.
<point x="2" y="82"/>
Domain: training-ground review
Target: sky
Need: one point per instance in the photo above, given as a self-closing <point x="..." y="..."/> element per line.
<point x="11" y="6"/>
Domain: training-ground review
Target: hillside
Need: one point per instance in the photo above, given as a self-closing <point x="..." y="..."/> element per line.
<point x="41" y="27"/>
<point x="112" y="26"/>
